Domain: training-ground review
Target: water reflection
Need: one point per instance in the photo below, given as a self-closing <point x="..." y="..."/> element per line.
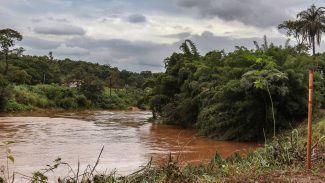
<point x="128" y="138"/>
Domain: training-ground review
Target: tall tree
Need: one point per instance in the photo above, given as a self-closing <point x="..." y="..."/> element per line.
<point x="292" y="28"/>
<point x="7" y="40"/>
<point x="312" y="24"/>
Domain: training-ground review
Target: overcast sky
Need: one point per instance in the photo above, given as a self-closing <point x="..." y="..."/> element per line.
<point x="138" y="34"/>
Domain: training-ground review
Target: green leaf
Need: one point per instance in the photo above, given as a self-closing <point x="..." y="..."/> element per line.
<point x="11" y="158"/>
<point x="259" y="84"/>
<point x="259" y="60"/>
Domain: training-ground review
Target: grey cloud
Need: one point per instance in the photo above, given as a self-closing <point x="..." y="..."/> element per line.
<point x="124" y="46"/>
<point x="36" y="20"/>
<point x="132" y="55"/>
<point x="251" y="12"/>
<point x="181" y="35"/>
<point x="39" y="43"/>
<point x="64" y="20"/>
<point x="136" y="18"/>
<point x="71" y="51"/>
<point x="60" y="30"/>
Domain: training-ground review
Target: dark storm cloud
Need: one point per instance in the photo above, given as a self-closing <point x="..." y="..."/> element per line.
<point x="136" y="18"/>
<point x="261" y="13"/>
<point x="60" y="30"/>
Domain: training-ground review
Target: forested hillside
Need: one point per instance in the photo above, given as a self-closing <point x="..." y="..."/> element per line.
<point x="31" y="82"/>
<point x="25" y="69"/>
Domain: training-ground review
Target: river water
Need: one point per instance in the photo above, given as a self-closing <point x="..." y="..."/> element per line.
<point x="129" y="141"/>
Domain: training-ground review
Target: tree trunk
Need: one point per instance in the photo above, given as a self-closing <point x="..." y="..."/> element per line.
<point x="313" y="46"/>
<point x="7" y="64"/>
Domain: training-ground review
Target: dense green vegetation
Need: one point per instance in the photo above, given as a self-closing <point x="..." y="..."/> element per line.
<point x="244" y="94"/>
<point x="29" y="97"/>
<point x="230" y="96"/>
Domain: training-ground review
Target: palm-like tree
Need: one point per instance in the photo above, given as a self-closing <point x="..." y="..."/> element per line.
<point x="312" y="26"/>
<point x="312" y="22"/>
<point x="189" y="48"/>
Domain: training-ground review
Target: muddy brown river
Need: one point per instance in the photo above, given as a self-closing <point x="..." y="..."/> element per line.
<point x="129" y="141"/>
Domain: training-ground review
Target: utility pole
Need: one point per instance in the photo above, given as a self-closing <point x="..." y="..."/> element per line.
<point x="310" y="114"/>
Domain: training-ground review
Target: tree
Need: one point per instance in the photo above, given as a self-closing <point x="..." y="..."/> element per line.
<point x="51" y="56"/>
<point x="5" y="92"/>
<point x="92" y="88"/>
<point x="189" y="48"/>
<point x="293" y="28"/>
<point x="7" y="40"/>
<point x="312" y="25"/>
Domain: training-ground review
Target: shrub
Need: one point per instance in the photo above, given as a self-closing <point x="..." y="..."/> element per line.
<point x="68" y="103"/>
<point x="82" y="101"/>
<point x="5" y="92"/>
<point x="112" y="102"/>
<point x="24" y="95"/>
<point x="92" y="88"/>
<point x="13" y="106"/>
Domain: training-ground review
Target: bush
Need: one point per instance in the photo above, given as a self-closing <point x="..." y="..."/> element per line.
<point x="112" y="102"/>
<point x="5" y="92"/>
<point x="19" y="76"/>
<point x="13" y="106"/>
<point x="68" y="103"/>
<point x="92" y="88"/>
<point x="82" y="101"/>
<point x="24" y="95"/>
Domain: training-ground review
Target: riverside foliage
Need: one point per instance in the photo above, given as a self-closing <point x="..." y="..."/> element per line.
<point x="240" y="95"/>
